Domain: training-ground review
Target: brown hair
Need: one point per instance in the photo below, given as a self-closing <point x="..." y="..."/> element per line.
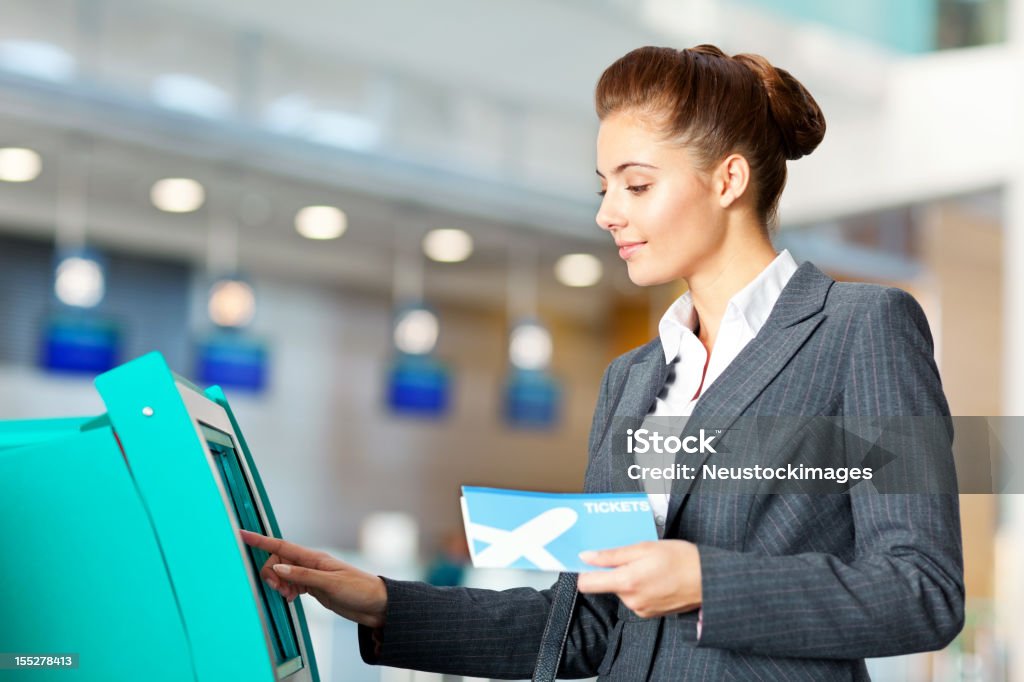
<point x="717" y="105"/>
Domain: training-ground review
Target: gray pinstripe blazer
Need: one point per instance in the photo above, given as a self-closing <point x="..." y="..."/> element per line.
<point x="795" y="587"/>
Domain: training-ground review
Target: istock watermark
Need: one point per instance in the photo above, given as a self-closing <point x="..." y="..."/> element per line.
<point x="918" y="454"/>
<point x="642" y="441"/>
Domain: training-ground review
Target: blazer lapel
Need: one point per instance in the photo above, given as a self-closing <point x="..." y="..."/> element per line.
<point x="644" y="381"/>
<point x="795" y="316"/>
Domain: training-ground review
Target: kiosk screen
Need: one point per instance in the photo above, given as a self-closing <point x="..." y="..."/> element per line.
<point x="278" y="620"/>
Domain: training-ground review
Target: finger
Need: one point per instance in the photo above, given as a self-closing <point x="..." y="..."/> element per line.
<point x="617" y="556"/>
<point x="288" y="591"/>
<point x="281" y="586"/>
<point x="299" y="576"/>
<point x="597" y="582"/>
<point x="271" y="577"/>
<point x="294" y="591"/>
<point x="289" y="551"/>
<point x="268" y="576"/>
<point x="267" y="571"/>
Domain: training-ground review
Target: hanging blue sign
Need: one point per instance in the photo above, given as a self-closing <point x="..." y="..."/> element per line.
<point x="532" y="399"/>
<point x="418" y="385"/>
<point x="232" y="360"/>
<point x="80" y="343"/>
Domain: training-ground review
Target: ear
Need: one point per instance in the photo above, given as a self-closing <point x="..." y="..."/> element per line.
<point x="731" y="179"/>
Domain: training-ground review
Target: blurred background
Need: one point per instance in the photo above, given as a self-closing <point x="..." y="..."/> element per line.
<point x="373" y="224"/>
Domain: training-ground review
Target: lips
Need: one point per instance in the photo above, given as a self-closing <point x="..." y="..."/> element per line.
<point x="627" y="249"/>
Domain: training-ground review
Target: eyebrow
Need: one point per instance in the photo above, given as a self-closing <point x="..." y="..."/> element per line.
<point x="623" y="166"/>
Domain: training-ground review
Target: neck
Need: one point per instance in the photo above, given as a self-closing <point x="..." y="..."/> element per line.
<point x="719" y="278"/>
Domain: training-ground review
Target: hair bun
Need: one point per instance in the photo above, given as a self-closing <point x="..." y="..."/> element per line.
<point x="797" y="115"/>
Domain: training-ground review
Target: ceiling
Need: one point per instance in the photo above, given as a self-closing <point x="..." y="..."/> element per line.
<point x="486" y="115"/>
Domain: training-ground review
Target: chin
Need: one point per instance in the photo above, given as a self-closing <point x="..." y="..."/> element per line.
<point x="645" y="278"/>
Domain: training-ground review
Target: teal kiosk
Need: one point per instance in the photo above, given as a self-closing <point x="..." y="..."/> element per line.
<point x="120" y="543"/>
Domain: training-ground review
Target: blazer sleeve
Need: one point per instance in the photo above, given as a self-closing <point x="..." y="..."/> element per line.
<point x="903" y="591"/>
<point x="488" y="633"/>
<point x="483" y="633"/>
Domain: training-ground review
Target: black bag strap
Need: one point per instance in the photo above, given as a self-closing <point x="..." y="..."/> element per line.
<point x="556" y="630"/>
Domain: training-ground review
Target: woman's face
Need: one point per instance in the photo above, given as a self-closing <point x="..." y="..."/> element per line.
<point x="658" y="207"/>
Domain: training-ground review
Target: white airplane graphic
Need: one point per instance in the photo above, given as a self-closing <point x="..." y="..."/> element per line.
<point x="527" y="541"/>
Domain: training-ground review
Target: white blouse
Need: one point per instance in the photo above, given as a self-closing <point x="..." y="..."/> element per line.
<point x="744" y="316"/>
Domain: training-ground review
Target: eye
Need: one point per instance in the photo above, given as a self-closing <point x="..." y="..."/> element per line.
<point x="635" y="189"/>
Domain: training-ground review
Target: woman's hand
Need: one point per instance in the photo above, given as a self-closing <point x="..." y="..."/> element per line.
<point x="651" y="578"/>
<point x="293" y="570"/>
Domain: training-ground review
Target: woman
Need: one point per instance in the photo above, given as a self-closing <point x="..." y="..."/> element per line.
<point x="691" y="156"/>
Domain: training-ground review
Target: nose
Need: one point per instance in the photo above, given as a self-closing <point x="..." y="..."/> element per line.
<point x="609" y="215"/>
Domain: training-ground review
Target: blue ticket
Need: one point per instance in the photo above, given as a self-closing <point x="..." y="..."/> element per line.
<point x="547" y="531"/>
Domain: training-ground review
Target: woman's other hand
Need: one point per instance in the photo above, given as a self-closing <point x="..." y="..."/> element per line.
<point x="293" y="570"/>
<point x="651" y="578"/>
